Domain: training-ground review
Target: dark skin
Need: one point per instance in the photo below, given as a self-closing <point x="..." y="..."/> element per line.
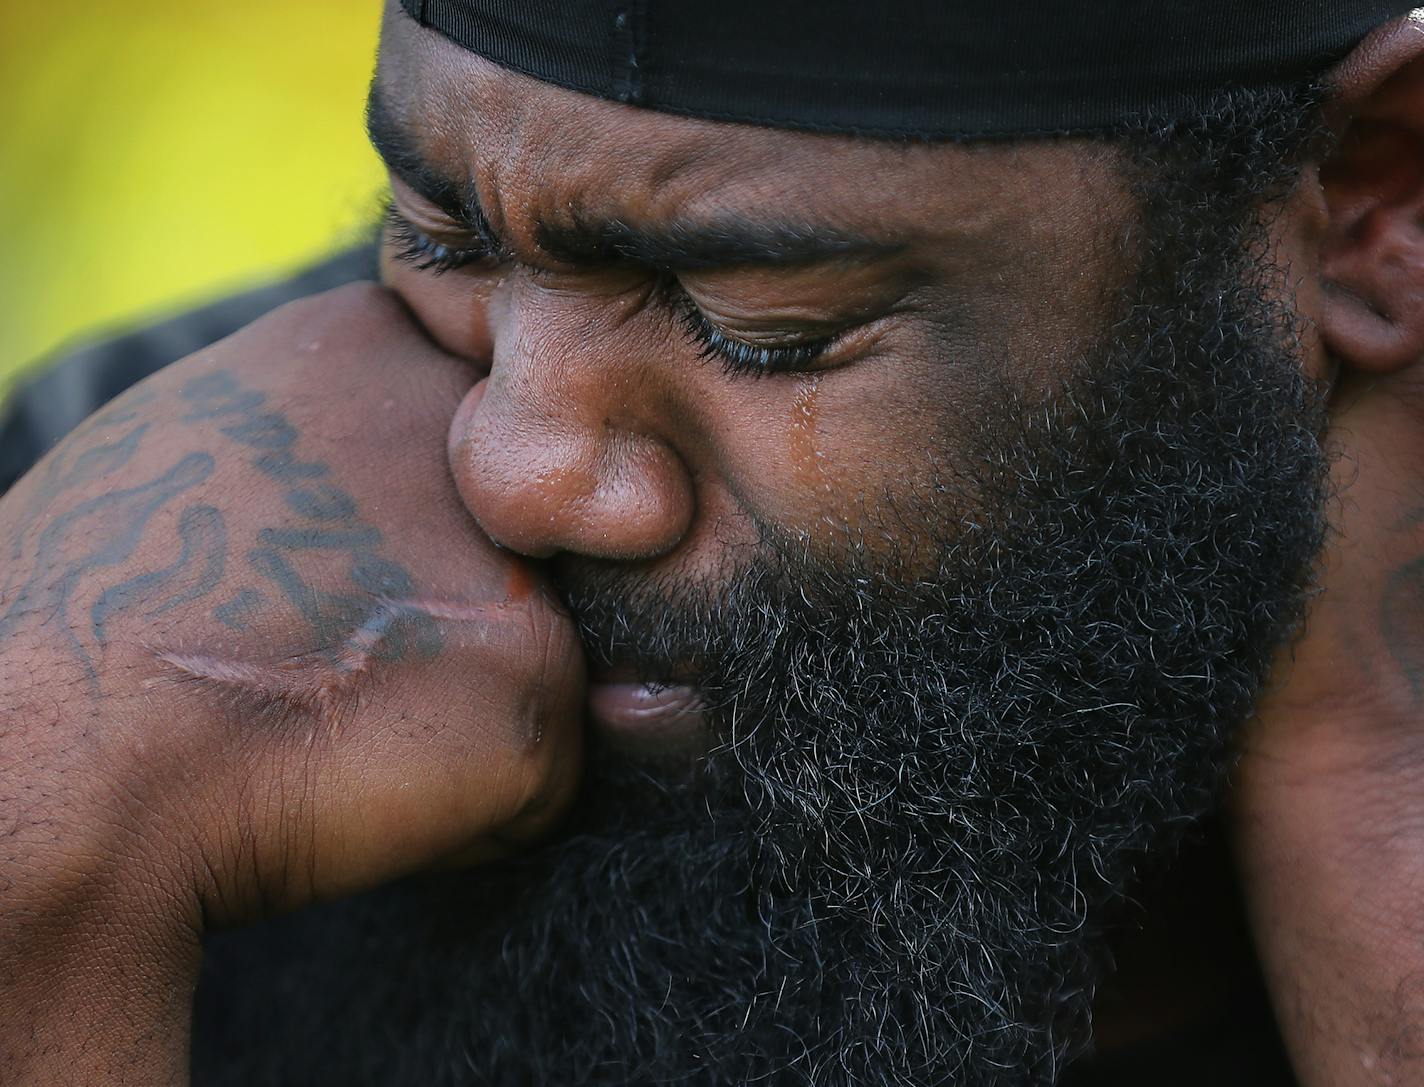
<point x="236" y="682"/>
<point x="144" y="790"/>
<point x="1328" y="812"/>
<point x="630" y="446"/>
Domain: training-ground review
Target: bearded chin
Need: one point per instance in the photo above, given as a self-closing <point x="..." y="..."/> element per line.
<point x="934" y="786"/>
<point x="931" y="782"/>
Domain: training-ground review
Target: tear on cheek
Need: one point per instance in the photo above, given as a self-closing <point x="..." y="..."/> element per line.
<point x="804" y="439"/>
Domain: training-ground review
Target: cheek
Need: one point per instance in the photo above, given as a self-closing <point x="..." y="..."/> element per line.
<point x="454" y="308"/>
<point x="818" y="456"/>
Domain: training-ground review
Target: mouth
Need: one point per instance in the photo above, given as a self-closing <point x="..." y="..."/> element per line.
<point x="644" y="717"/>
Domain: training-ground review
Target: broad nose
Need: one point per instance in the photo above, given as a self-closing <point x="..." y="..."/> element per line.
<point x="561" y="448"/>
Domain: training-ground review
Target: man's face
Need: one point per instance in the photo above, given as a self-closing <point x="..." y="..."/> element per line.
<point x="974" y="579"/>
<point x="663" y="412"/>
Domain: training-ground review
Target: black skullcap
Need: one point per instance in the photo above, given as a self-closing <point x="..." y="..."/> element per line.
<point x="953" y="69"/>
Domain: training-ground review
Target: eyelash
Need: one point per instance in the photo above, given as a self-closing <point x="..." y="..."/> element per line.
<point x="736" y="356"/>
<point x="417" y="249"/>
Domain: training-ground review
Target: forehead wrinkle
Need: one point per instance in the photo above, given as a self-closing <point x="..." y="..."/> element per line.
<point x="567" y="153"/>
<point x="538" y="152"/>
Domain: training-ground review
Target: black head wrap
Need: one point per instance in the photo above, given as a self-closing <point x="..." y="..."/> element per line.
<point x="947" y="69"/>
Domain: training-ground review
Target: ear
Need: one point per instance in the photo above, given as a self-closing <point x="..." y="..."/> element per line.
<point x="1372" y="252"/>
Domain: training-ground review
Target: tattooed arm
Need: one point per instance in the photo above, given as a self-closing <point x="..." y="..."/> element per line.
<point x="253" y="652"/>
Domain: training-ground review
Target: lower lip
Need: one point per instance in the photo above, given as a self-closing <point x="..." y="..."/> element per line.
<point x="636" y="715"/>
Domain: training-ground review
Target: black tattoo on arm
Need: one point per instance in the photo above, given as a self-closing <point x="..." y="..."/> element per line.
<point x="236" y="613"/>
<point x="377" y="618"/>
<point x="60" y="475"/>
<point x="98" y="533"/>
<point x="193" y="574"/>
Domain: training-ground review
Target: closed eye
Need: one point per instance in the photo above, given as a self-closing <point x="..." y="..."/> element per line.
<point x="738" y="356"/>
<point x="411" y="245"/>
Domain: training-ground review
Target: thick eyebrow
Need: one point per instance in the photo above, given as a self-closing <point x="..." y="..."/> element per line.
<point x="727" y="242"/>
<point x="401" y="156"/>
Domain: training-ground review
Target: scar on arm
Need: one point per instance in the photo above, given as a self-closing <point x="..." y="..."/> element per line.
<point x="299" y="688"/>
<point x="326" y="685"/>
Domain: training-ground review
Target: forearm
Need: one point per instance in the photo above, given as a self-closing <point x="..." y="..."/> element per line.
<point x="235" y="680"/>
<point x="96" y="984"/>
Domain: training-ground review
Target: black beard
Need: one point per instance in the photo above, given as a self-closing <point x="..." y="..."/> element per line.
<point x="930" y="789"/>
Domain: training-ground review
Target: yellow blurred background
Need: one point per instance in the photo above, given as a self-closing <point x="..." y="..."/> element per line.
<point x="154" y="154"/>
